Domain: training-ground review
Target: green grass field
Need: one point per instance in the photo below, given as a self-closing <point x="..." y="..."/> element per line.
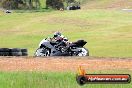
<point x="108" y="32"/>
<point x="51" y="80"/>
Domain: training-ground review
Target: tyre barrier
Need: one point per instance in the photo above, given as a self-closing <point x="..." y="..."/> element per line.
<point x="13" y="52"/>
<point x="74" y="8"/>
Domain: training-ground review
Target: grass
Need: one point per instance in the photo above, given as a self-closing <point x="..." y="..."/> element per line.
<point x="51" y="80"/>
<point x="108" y="32"/>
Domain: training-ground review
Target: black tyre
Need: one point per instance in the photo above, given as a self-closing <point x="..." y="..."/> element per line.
<point x="78" y="7"/>
<point x="73" y="7"/>
<point x="24" y="52"/>
<point x="4" y="51"/>
<point x="15" y="52"/>
<point x="81" y="80"/>
<point x="42" y="52"/>
<point x="1" y="53"/>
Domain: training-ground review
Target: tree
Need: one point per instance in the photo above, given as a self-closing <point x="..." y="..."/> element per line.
<point x="55" y="4"/>
<point x="17" y="4"/>
<point x="11" y="4"/>
<point x="69" y="1"/>
<point x="37" y="4"/>
<point x="30" y="4"/>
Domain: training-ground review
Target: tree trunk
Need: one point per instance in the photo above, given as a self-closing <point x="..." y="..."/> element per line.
<point x="30" y="4"/>
<point x="37" y="3"/>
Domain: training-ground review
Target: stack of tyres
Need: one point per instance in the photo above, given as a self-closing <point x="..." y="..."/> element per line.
<point x="4" y="52"/>
<point x="74" y="7"/>
<point x="13" y="52"/>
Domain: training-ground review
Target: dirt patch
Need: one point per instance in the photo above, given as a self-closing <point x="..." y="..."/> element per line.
<point x="63" y="63"/>
<point x="108" y="4"/>
<point x="67" y="21"/>
<point x="120" y="4"/>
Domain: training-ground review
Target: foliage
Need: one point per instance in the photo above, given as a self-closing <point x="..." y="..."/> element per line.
<point x="20" y="4"/>
<point x="33" y="4"/>
<point x="55" y="4"/>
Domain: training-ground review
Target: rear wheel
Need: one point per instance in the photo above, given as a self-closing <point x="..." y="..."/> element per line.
<point x="42" y="52"/>
<point x="83" y="52"/>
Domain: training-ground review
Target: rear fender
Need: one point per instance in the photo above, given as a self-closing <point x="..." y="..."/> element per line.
<point x="79" y="43"/>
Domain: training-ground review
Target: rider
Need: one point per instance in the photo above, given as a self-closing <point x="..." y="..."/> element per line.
<point x="60" y="39"/>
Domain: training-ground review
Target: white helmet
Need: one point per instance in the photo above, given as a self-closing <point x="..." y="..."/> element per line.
<point x="56" y="34"/>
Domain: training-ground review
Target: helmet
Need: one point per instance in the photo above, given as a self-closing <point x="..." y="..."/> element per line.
<point x="56" y="34"/>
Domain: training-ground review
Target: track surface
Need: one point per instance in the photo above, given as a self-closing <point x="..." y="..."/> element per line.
<point x="63" y="63"/>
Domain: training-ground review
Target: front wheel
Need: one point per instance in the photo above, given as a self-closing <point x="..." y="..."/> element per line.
<point x="83" y="52"/>
<point x="42" y="52"/>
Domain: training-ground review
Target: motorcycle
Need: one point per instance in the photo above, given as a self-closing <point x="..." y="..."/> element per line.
<point x="50" y="48"/>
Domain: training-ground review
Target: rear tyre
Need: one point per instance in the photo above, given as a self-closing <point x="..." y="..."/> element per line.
<point x="83" y="52"/>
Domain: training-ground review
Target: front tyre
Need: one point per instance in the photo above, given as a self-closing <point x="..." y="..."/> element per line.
<point x="42" y="52"/>
<point x="83" y="52"/>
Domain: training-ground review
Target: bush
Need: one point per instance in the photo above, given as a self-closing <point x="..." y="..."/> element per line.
<point x="9" y="4"/>
<point x="20" y="4"/>
<point x="55" y="4"/>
